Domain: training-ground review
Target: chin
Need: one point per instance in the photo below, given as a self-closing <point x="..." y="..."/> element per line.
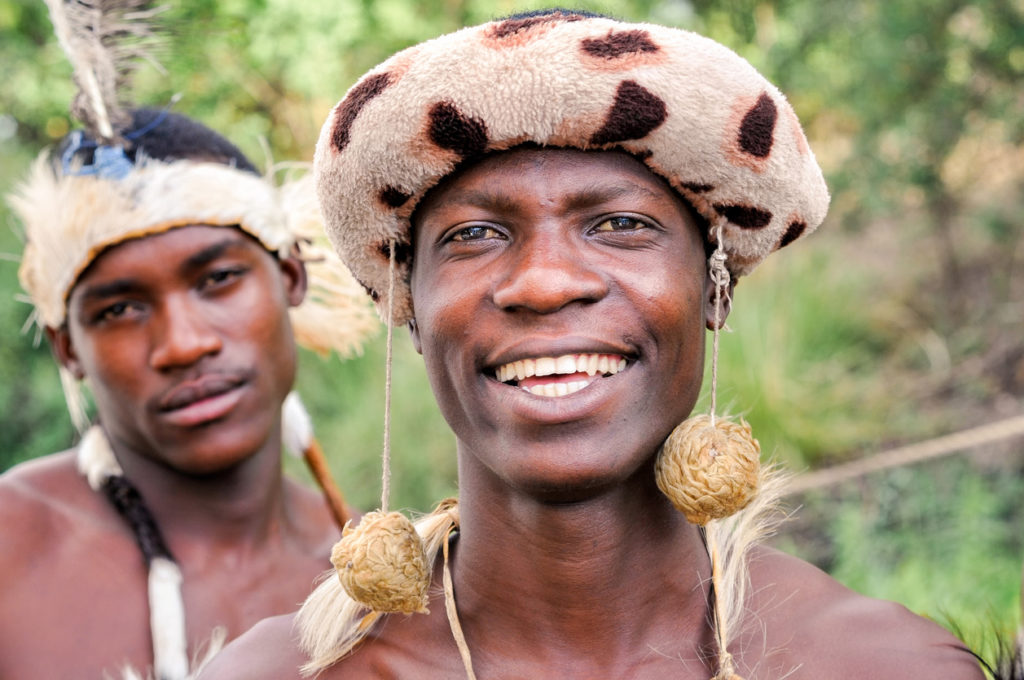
<point x="215" y="451"/>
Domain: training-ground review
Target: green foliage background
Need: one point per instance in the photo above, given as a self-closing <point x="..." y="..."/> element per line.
<point x="901" y="319"/>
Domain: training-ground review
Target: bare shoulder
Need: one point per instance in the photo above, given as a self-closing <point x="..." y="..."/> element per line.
<point x="39" y="500"/>
<point x="269" y="650"/>
<point x="812" y="626"/>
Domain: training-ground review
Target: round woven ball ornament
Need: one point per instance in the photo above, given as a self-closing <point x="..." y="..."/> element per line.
<point x="382" y="565"/>
<point x="709" y="469"/>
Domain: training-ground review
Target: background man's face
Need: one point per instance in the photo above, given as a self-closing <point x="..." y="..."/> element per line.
<point x="185" y="339"/>
<point x="532" y="256"/>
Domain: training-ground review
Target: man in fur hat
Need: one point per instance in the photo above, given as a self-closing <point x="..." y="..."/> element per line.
<point x="164" y="278"/>
<point x="537" y="198"/>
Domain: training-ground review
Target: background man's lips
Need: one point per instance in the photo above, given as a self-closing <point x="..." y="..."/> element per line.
<point x="208" y="409"/>
<point x="196" y="390"/>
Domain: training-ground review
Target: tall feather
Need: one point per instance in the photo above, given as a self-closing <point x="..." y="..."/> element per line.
<point x="103" y="40"/>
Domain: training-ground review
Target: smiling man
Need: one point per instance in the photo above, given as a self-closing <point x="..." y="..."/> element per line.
<point x="537" y="198"/>
<point x="167" y="286"/>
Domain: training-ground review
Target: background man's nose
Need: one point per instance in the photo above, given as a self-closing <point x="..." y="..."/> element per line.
<point x="181" y="335"/>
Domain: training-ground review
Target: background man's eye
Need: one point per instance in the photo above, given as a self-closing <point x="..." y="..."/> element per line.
<point x="118" y="310"/>
<point x="115" y="310"/>
<point x="620" y="223"/>
<point x="475" y="233"/>
<point x="221" y="276"/>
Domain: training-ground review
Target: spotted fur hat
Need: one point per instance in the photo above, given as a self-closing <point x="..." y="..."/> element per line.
<point x="692" y="110"/>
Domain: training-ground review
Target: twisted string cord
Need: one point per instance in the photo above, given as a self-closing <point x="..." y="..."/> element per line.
<point x="385" y="491"/>
<point x="720" y="277"/>
<point x="453" y="615"/>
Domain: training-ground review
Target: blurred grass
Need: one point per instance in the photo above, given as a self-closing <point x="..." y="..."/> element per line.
<point x="941" y="538"/>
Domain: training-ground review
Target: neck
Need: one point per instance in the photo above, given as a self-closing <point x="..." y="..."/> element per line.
<point x="620" y="572"/>
<point x="235" y="508"/>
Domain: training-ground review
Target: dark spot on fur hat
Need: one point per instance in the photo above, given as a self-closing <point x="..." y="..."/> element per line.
<point x="619" y="44"/>
<point x="348" y="108"/>
<point x="758" y="126"/>
<point x="744" y="215"/>
<point x="794" y="231"/>
<point x="453" y="130"/>
<point x="634" y="114"/>
<point x="392" y="197"/>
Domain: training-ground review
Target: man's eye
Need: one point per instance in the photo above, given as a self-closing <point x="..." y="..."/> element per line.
<point x="115" y="311"/>
<point x="620" y="223"/>
<point x="221" y="276"/>
<point x="477" y="232"/>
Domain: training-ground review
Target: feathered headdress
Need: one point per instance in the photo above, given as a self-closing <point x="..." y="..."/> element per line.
<point x="104" y="40"/>
<point x="74" y="209"/>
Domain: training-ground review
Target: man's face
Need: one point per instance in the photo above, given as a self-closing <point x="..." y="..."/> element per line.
<point x="185" y="339"/>
<point x="559" y="301"/>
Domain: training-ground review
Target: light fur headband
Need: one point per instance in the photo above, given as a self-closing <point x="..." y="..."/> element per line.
<point x="70" y="219"/>
<point x="692" y="110"/>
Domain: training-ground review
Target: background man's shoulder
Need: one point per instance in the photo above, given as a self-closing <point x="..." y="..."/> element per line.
<point x="812" y="620"/>
<point x="42" y="501"/>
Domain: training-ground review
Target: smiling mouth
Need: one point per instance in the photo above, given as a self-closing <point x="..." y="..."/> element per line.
<point x="559" y="376"/>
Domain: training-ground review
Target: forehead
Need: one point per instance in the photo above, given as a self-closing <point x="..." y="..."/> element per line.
<point x="566" y="173"/>
<point x="170" y="251"/>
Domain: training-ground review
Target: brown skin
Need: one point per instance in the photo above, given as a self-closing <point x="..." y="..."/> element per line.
<point x="570" y="563"/>
<point x="185" y="340"/>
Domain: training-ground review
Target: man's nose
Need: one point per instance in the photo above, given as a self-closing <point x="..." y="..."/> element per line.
<point x="548" y="273"/>
<point x="182" y="336"/>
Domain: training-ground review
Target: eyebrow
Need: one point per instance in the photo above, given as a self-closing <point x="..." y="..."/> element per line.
<point x="111" y="289"/>
<point x="599" y="193"/>
<point x="194" y="261"/>
<point x="210" y="253"/>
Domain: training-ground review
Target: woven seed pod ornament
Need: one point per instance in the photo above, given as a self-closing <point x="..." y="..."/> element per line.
<point x="382" y="565"/>
<point x="710" y="467"/>
<point x="709" y="470"/>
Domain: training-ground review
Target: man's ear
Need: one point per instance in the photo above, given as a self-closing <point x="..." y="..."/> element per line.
<point x="64" y="350"/>
<point x="295" y="279"/>
<point x="725" y="302"/>
<point x="414" y="333"/>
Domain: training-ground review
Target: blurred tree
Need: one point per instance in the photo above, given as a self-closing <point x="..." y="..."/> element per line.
<point x="917" y="115"/>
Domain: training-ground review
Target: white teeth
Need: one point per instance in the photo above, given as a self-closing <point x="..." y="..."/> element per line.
<point x="557" y="389"/>
<point x="567" y="364"/>
<point x="545" y="366"/>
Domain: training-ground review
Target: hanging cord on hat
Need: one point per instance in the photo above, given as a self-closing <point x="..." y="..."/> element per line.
<point x="385" y="485"/>
<point x="382" y="563"/>
<point x="720" y="277"/>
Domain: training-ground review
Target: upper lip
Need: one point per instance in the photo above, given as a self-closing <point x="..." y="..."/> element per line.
<point x="196" y="389"/>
